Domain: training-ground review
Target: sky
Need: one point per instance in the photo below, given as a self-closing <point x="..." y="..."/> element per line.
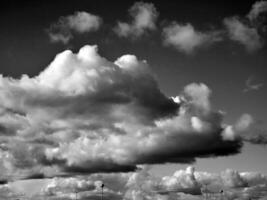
<point x="154" y="99"/>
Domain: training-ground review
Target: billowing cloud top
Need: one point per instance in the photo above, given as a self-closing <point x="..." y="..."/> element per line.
<point x="86" y="114"/>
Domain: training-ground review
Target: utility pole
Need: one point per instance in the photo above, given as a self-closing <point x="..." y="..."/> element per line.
<point x="221" y="194"/>
<point x="102" y="188"/>
<point x="206" y="192"/>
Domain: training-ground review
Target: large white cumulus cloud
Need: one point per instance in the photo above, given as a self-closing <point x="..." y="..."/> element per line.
<point x="86" y="114"/>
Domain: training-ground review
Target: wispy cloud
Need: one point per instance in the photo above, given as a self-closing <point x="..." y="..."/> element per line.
<point x="243" y="33"/>
<point x="144" y="16"/>
<point x="251" y="85"/>
<point x="79" y="22"/>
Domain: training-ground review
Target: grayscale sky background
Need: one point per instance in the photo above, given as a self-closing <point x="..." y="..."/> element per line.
<point x="212" y="54"/>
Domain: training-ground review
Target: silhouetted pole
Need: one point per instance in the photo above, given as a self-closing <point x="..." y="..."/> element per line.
<point x="102" y="188"/>
<point x="206" y="192"/>
<point x="221" y="194"/>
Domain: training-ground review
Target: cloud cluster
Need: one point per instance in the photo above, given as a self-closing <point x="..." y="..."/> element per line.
<point x="144" y="16"/>
<point x="233" y="184"/>
<point x="72" y="185"/>
<point x="79" y="22"/>
<point x="85" y="114"/>
<point x="142" y="185"/>
<point x="246" y="30"/>
<point x="6" y="192"/>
